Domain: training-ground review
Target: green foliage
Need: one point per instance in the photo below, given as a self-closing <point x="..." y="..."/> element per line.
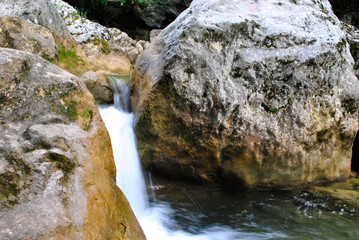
<point x="82" y="12"/>
<point x="148" y="3"/>
<point x="87" y="7"/>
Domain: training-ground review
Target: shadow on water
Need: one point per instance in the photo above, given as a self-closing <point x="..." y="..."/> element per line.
<point x="297" y="214"/>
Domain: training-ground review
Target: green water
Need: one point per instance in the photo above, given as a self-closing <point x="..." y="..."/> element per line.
<point x="329" y="212"/>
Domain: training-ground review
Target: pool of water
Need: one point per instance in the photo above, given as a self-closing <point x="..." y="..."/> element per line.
<point x="173" y="211"/>
<point x="297" y="214"/>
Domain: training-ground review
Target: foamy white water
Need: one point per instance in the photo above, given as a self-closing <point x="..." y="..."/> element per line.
<point x="155" y="221"/>
<point x="129" y="174"/>
<point x="130" y="179"/>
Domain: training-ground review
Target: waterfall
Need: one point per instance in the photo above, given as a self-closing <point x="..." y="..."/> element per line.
<point x="120" y="125"/>
<point x="121" y="91"/>
<point x="155" y="220"/>
<point x="262" y="216"/>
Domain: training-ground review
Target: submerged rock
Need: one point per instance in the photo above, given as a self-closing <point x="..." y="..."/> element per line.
<point x="22" y="35"/>
<point x="56" y="165"/>
<point x="248" y="92"/>
<point x="40" y="12"/>
<point x="347" y="191"/>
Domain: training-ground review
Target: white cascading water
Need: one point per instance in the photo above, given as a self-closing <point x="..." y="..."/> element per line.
<point x="131" y="181"/>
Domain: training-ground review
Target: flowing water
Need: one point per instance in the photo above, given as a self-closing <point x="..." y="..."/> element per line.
<point x="177" y="211"/>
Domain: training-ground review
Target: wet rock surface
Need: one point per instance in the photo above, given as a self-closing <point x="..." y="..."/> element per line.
<point x="56" y="163"/>
<point x="246" y="93"/>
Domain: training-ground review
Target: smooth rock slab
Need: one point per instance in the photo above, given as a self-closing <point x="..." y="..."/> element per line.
<point x="247" y="92"/>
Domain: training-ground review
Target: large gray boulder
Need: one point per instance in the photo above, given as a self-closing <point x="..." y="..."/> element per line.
<point x="261" y="93"/>
<point x="40" y="12"/>
<point x="56" y="164"/>
<point x="353" y="40"/>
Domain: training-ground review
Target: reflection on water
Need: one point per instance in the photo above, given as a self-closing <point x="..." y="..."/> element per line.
<point x="300" y="214"/>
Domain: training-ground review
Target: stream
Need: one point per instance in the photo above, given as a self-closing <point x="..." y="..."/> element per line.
<point x="171" y="211"/>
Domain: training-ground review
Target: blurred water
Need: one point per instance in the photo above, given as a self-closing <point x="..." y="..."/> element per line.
<point x="181" y="212"/>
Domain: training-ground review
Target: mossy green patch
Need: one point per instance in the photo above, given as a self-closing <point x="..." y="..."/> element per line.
<point x="48" y="59"/>
<point x="9" y="189"/>
<point x="71" y="61"/>
<point x="13" y="180"/>
<point x="62" y="162"/>
<point x="88" y="116"/>
<point x="104" y="46"/>
<point x="71" y="111"/>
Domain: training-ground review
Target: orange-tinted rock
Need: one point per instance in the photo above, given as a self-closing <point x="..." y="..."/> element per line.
<point x="56" y="165"/>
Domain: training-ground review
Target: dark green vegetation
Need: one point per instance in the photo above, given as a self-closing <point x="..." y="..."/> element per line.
<point x="87" y="115"/>
<point x="13" y="181"/>
<point x="93" y="8"/>
<point x="62" y="162"/>
<point x="71" y="61"/>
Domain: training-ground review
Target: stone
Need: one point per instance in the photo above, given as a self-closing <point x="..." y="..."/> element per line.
<point x="158" y="14"/>
<point x="99" y="85"/>
<point x="154" y="34"/>
<point x="112" y="41"/>
<point x="353" y="40"/>
<point x="248" y="94"/>
<point x="103" y="57"/>
<point x="346" y="191"/>
<point x="56" y="164"/>
<point x="22" y="35"/>
<point x="40" y="12"/>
